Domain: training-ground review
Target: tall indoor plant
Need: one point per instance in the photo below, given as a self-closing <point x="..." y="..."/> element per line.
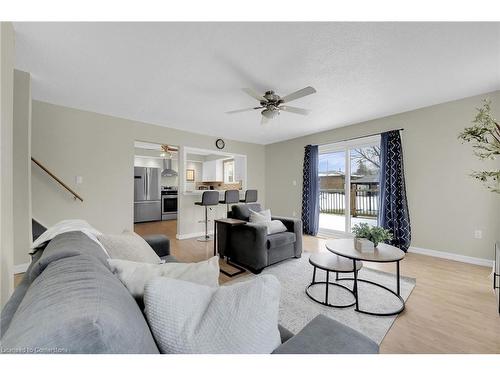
<point x="484" y="135"/>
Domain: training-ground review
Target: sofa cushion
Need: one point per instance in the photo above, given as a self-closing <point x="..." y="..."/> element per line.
<point x="76" y="305"/>
<point x="280" y="239"/>
<point x="323" y="335"/>
<point x="242" y="211"/>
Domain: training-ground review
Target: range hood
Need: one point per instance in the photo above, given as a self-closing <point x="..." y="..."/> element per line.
<point x="167" y="169"/>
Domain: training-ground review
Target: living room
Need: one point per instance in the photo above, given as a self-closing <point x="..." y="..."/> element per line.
<point x="361" y="218"/>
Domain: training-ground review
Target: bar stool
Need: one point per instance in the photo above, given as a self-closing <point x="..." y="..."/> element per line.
<point x="230" y="197"/>
<point x="209" y="198"/>
<point x="250" y="196"/>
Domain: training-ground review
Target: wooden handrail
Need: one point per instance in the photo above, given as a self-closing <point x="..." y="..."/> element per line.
<point x="75" y="195"/>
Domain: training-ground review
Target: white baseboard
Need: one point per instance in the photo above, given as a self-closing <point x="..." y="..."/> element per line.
<point x="452" y="256"/>
<point x="192" y="235"/>
<point x="21" y="268"/>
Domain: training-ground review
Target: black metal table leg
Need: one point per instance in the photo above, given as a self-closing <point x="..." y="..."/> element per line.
<point x="215" y="238"/>
<point x="355" y="287"/>
<point x="397" y="278"/>
<point x="396" y="293"/>
<point x="327" y="283"/>
<point x="239" y="272"/>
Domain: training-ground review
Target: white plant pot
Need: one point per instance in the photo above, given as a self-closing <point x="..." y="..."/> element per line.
<point x="363" y="245"/>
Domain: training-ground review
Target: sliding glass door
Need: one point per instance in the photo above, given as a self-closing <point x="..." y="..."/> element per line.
<point x="332" y="196"/>
<point x="349" y="184"/>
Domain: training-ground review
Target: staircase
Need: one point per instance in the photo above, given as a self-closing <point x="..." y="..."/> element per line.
<point x="37" y="229"/>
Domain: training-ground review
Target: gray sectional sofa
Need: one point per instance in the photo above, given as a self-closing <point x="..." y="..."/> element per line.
<point x="70" y="302"/>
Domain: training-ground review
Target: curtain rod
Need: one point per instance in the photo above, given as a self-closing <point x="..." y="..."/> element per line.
<point x="361" y="136"/>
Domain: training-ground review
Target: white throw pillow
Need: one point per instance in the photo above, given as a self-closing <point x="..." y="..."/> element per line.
<point x="128" y="246"/>
<point x="275" y="226"/>
<point x="264" y="217"/>
<point x="136" y="275"/>
<point x="188" y="318"/>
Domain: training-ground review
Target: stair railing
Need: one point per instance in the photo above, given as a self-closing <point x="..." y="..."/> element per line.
<point x="75" y="195"/>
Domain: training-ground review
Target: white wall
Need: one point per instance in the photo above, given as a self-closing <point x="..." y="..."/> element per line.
<point x="100" y="148"/>
<point x="446" y="205"/>
<point x="198" y="174"/>
<point x="6" y="161"/>
<point x="22" y="167"/>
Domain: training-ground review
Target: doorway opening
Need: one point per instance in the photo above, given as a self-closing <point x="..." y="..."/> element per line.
<point x="156" y="184"/>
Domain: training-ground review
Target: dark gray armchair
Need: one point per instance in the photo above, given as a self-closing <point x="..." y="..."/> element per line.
<point x="250" y="246"/>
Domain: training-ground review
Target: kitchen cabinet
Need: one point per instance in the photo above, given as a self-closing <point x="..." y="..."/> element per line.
<point x="239" y="168"/>
<point x="212" y="171"/>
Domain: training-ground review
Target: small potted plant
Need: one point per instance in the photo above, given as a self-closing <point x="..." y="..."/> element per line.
<point x="367" y="238"/>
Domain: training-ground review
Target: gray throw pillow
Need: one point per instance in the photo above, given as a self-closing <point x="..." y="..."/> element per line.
<point x="188" y="318"/>
<point x="128" y="246"/>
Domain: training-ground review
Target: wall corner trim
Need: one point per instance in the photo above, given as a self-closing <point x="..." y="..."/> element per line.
<point x="451" y="256"/>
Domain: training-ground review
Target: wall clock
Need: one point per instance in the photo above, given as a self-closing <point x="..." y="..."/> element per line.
<point x="220" y="143"/>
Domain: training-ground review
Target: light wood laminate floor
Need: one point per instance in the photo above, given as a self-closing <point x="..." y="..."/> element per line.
<point x="451" y="310"/>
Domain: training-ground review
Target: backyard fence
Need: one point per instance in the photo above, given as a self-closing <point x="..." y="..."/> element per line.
<point x="364" y="203"/>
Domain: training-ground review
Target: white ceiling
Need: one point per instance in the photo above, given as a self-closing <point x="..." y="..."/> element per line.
<point x="186" y="75"/>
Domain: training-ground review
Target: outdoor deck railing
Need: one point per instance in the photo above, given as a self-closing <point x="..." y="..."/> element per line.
<point x="363" y="202"/>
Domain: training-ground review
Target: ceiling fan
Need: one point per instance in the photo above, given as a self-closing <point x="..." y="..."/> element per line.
<point x="272" y="103"/>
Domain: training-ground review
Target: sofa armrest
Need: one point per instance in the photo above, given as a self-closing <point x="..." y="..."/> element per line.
<point x="159" y="243"/>
<point x="248" y="244"/>
<point x="323" y="335"/>
<point x="293" y="225"/>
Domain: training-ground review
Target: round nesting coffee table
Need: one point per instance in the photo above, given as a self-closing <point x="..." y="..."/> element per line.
<point x="383" y="253"/>
<point x="331" y="263"/>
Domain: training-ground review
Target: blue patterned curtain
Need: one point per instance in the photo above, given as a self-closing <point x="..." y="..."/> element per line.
<point x="310" y="191"/>
<point x="393" y="214"/>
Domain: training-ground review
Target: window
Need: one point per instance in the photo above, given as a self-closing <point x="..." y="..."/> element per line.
<point x="228" y="167"/>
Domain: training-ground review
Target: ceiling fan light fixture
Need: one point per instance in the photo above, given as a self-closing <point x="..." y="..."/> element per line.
<point x="270" y="114"/>
<point x="273" y="103"/>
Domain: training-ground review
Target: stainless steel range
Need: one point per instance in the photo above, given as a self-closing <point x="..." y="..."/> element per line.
<point x="169" y="203"/>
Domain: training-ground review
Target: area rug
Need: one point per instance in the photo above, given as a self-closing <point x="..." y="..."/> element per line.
<point x="297" y="309"/>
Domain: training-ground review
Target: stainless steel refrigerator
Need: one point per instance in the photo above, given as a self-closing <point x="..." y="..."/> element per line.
<point x="147" y="194"/>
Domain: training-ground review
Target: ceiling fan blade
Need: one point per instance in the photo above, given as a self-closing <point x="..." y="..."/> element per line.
<point x="299" y="94"/>
<point x="299" y="111"/>
<point x="264" y="120"/>
<point x="254" y="94"/>
<point x="243" y="110"/>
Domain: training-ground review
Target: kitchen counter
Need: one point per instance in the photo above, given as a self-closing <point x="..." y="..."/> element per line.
<point x="200" y="192"/>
